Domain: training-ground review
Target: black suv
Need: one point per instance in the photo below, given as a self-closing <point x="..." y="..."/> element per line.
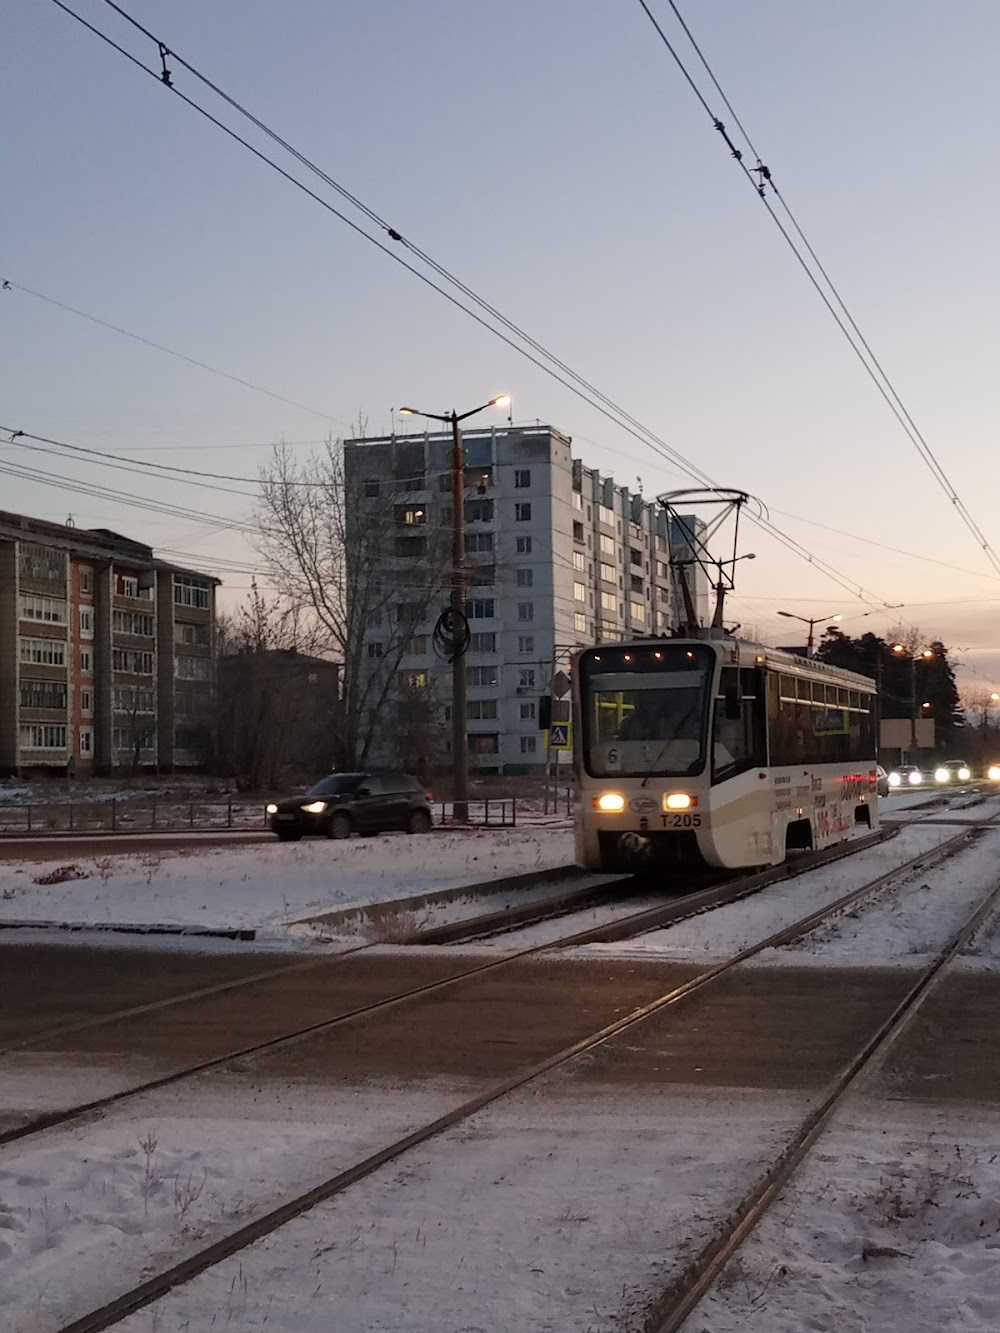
<point x="346" y="803"/>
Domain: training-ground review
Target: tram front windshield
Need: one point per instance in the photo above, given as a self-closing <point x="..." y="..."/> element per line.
<point x="645" y="710"/>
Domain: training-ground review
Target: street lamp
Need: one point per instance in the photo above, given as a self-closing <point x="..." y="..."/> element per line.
<point x="459" y="730"/>
<point x="901" y="650"/>
<point x="812" y="622"/>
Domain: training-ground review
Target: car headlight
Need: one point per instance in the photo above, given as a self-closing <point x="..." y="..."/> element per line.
<point x="964" y="774"/>
<point x="272" y="809"/>
<point x="942" y="775"/>
<point x="916" y="779"/>
<point x="894" y="779"/>
<point x="611" y="802"/>
<point x="993" y="773"/>
<point x="315" y="807"/>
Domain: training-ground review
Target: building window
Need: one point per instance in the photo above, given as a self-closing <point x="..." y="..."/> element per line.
<point x="480" y="608"/>
<point x="44" y="652"/>
<point x="133" y="699"/>
<point x="43" y="694"/>
<point x="609" y="602"/>
<point x="141" y="664"/>
<point x="529" y="743"/>
<point x="190" y="592"/>
<point x="638" y="612"/>
<point x="482" y="744"/>
<point x="87" y="740"/>
<point x="606" y="515"/>
<point x="41" y="562"/>
<point x="607" y="544"/>
<point x="526" y="678"/>
<point x="413" y="680"/>
<point x="86" y="661"/>
<point x="36" y="736"/>
<point x="476" y="542"/>
<point x="607" y="572"/>
<point x="579" y="561"/>
<point x="479" y="511"/>
<point x="528" y="712"/>
<point x="522" y="513"/>
<point x="87" y="622"/>
<point x="372" y="487"/>
<point x="523" y="545"/>
<point x="86" y="580"/>
<point x="134" y="738"/>
<point x="580" y="622"/>
<point x="86" y="701"/>
<point x="418" y="646"/>
<point x="374" y="650"/>
<point x="187" y="634"/>
<point x="483" y="643"/>
<point x="482" y="576"/>
<point x="187" y="668"/>
<point x="409" y="613"/>
<point x="522" y="478"/>
<point x="525" y="578"/>
<point x="525" y="643"/>
<point x="478" y="710"/>
<point x="411" y="515"/>
<point x="375" y="620"/>
<point x="578" y="532"/>
<point x="579" y="592"/>
<point x="578" y="501"/>
<point x="477" y="677"/>
<point x="410" y="547"/>
<point x="525" y="611"/>
<point x="50" y="609"/>
<point x="129" y="586"/>
<point x="129" y="622"/>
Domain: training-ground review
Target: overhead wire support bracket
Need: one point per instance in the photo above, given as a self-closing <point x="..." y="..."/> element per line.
<point x="165" y="74"/>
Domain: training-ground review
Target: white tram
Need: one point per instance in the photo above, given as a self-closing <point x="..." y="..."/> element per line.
<point x="717" y="753"/>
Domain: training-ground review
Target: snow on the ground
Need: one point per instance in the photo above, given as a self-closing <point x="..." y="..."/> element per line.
<point x="893" y="1222"/>
<point x="265" y="885"/>
<point x="541" y="1215"/>
<point x="726" y="930"/>
<point x="906" y="926"/>
<point x="84" y="1213"/>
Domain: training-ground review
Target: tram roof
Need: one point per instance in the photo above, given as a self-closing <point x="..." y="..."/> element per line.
<point x="773" y="657"/>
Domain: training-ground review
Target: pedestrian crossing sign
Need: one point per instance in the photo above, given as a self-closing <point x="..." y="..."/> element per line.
<point x="561" y="736"/>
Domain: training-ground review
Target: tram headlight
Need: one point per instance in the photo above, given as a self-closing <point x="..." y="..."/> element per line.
<point x="611" y="802"/>
<point x="964" y="774"/>
<point x="679" y="800"/>
<point x="942" y="775"/>
<point x="894" y="779"/>
<point x="915" y="779"/>
<point x="993" y="772"/>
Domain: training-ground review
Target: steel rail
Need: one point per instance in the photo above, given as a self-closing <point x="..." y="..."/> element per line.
<point x="177" y="1274"/>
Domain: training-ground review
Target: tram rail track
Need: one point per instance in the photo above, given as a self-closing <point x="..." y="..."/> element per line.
<point x="159" y="1284"/>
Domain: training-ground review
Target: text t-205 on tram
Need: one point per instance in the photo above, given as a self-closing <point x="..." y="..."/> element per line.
<point x="717" y="753"/>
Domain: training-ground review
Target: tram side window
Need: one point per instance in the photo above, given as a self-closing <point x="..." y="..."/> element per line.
<point x="738" y="741"/>
<point x="813" y="723"/>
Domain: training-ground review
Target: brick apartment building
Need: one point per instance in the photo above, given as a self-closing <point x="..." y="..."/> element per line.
<point x="107" y="655"/>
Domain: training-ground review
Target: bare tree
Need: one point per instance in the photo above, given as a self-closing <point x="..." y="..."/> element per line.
<point x="362" y="560"/>
<point x="419" y="734"/>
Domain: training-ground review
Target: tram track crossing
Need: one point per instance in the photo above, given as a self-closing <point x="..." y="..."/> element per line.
<point x="146" y="1292"/>
<point x="721" y="893"/>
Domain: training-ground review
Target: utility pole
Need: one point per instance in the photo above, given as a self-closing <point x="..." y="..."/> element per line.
<point x="456" y="607"/>
<point x="459" y="708"/>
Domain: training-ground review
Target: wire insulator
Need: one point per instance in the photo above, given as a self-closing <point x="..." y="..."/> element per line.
<point x="451" y="637"/>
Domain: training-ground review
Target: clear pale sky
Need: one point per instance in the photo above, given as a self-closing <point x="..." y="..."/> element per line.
<point x="550" y="153"/>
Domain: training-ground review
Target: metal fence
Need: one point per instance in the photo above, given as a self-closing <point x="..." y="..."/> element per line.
<point x="131" y="816"/>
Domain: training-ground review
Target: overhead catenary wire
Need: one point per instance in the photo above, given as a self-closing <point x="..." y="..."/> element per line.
<point x="557" y="369"/>
<point x="847" y="325"/>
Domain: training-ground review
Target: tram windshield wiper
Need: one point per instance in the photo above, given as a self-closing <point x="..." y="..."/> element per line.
<point x="669" y="741"/>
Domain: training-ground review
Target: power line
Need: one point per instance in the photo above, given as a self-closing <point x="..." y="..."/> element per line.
<point x="9" y="285"/>
<point x="575" y="383"/>
<point x="858" y="343"/>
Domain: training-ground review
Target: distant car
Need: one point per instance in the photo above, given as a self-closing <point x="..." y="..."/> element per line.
<point x="993" y="772"/>
<point x="952" y="770"/>
<point x="881" y="780"/>
<point x="346" y="803"/>
<point x="905" y="775"/>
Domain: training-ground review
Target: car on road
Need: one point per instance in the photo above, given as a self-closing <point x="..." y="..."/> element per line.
<point x="993" y="772"/>
<point x="375" y="801"/>
<point x="881" y="780"/>
<point x="905" y="775"/>
<point x="953" y="771"/>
